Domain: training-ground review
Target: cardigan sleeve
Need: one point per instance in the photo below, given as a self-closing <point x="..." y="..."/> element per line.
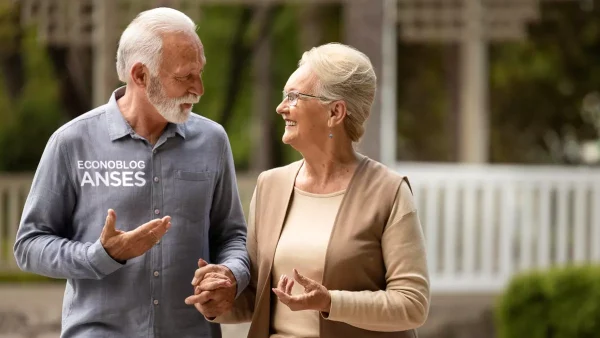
<point x="404" y="304"/>
<point x="243" y="307"/>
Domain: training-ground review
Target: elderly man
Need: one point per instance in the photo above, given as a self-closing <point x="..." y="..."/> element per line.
<point x="166" y="177"/>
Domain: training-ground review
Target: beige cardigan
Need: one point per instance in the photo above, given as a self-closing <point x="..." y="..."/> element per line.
<point x="353" y="262"/>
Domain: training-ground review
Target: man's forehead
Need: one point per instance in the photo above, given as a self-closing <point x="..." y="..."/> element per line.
<point x="183" y="50"/>
<point x="173" y="42"/>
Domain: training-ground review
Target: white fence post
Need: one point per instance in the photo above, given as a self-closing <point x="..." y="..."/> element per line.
<point x="13" y="191"/>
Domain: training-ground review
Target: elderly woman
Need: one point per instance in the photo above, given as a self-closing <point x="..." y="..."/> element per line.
<point x="335" y="242"/>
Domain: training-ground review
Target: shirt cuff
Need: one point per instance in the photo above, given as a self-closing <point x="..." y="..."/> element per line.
<point x="240" y="273"/>
<point x="337" y="304"/>
<point x="100" y="260"/>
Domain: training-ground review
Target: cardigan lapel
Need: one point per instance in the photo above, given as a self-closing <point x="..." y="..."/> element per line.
<point x="276" y="195"/>
<point x="354" y="184"/>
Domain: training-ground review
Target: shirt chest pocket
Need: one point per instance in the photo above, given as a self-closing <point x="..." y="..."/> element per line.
<point x="193" y="193"/>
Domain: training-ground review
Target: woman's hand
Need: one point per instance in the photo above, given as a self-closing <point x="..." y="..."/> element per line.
<point x="315" y="296"/>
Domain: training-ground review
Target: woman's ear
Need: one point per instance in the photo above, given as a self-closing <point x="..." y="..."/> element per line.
<point x="337" y="112"/>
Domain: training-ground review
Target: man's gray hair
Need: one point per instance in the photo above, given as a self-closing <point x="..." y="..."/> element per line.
<point x="142" y="39"/>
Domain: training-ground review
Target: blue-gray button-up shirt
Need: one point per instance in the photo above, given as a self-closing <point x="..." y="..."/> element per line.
<point x="97" y="162"/>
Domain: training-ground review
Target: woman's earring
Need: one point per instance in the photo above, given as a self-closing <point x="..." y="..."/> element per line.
<point x="330" y="135"/>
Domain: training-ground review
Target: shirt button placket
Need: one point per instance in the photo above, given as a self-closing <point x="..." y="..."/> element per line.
<point x="156" y="252"/>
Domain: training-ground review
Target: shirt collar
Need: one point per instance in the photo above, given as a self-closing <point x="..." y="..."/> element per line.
<point x="118" y="126"/>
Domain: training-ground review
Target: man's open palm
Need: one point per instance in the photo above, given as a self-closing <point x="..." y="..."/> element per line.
<point x="125" y="245"/>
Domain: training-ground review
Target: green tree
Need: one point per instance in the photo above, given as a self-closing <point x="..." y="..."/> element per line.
<point x="33" y="113"/>
<point x="538" y="85"/>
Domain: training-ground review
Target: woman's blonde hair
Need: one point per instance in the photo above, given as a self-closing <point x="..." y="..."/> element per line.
<point x="344" y="73"/>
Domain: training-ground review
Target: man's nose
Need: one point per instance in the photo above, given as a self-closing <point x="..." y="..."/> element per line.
<point x="198" y="87"/>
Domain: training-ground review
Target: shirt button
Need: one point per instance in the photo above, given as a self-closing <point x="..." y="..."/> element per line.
<point x="156" y="179"/>
<point x="155" y="302"/>
<point x="156" y="211"/>
<point x="156" y="274"/>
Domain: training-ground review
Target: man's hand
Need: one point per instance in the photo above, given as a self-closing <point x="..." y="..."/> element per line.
<point x="315" y="296"/>
<point x="122" y="246"/>
<point x="215" y="288"/>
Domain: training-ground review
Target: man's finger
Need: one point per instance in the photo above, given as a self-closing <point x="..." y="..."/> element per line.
<point x="304" y="281"/>
<point x="212" y="284"/>
<point x="216" y="275"/>
<point x="201" y="272"/>
<point x="201" y="263"/>
<point x="111" y="220"/>
<point x="202" y="298"/>
<point x="155" y="228"/>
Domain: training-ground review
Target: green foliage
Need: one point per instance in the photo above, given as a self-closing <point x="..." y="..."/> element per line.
<point x="536" y="89"/>
<point x="559" y="303"/>
<point x="217" y="30"/>
<point x="7" y="28"/>
<point x="538" y="85"/>
<point x="423" y="102"/>
<point x="30" y="119"/>
<point x="287" y="52"/>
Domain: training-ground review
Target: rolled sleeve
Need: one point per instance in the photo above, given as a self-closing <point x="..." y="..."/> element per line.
<point x="101" y="261"/>
<point x="242" y="277"/>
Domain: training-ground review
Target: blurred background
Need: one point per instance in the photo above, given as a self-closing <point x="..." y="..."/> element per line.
<point x="491" y="107"/>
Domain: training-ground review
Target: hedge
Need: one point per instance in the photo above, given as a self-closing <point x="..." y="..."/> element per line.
<point x="557" y="303"/>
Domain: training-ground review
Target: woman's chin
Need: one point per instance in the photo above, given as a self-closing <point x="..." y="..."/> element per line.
<point x="287" y="138"/>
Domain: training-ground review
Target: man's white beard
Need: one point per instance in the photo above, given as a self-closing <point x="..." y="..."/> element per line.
<point x="169" y="108"/>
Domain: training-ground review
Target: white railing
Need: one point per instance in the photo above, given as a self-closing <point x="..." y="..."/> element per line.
<point x="13" y="192"/>
<point x="484" y="223"/>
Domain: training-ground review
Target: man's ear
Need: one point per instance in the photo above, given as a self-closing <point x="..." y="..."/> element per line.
<point x="139" y="75"/>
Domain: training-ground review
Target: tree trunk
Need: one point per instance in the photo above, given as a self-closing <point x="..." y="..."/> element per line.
<point x="11" y="61"/>
<point x="70" y="66"/>
<point x="241" y="53"/>
<point x="262" y="121"/>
